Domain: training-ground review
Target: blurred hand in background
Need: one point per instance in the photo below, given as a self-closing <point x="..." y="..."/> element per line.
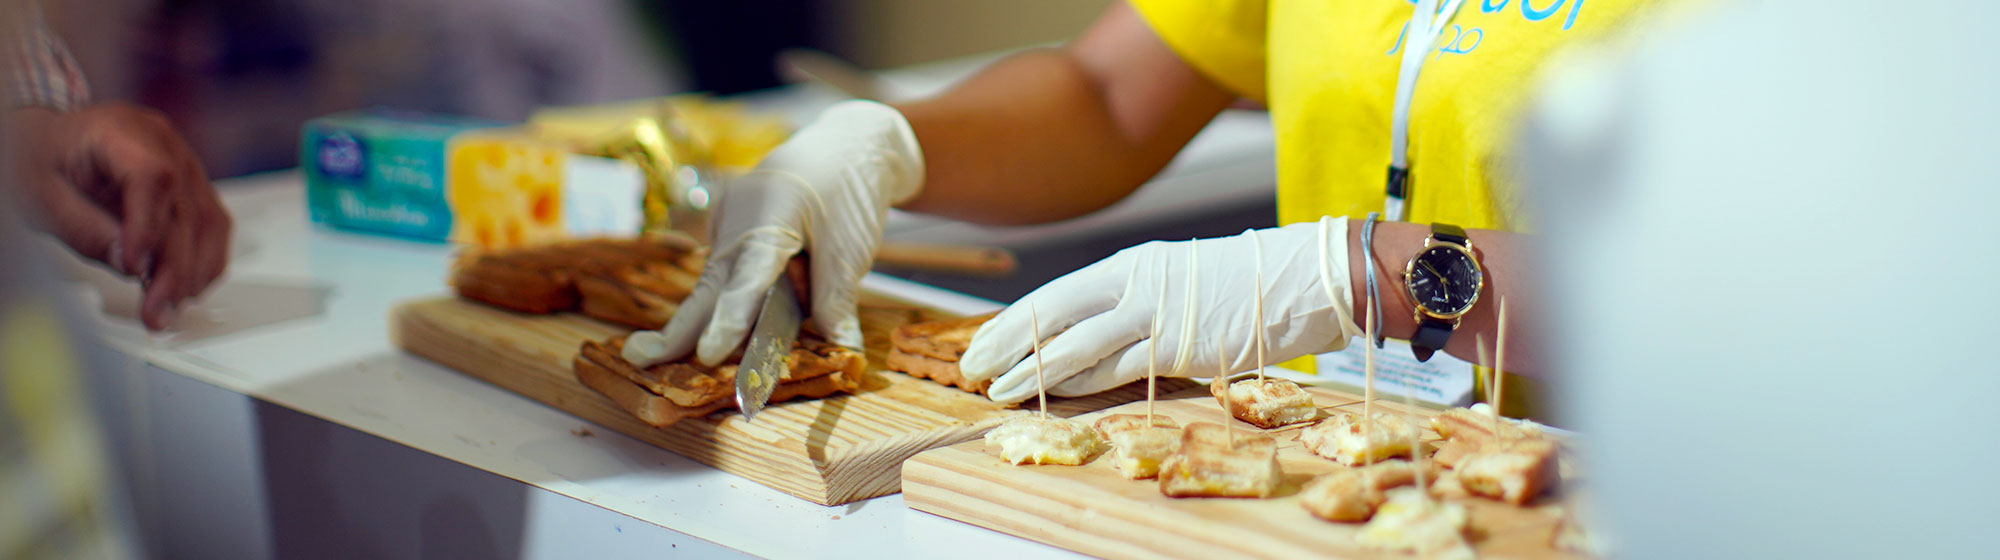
<point x="117" y="184"/>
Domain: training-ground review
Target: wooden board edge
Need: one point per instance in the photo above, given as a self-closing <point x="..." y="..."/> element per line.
<point x="934" y="486"/>
<point x="768" y="471"/>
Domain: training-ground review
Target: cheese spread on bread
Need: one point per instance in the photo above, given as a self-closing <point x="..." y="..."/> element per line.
<point x="1213" y="462"/>
<point x="1351" y="495"/>
<point x="1512" y="472"/>
<point x="1139" y="444"/>
<point x="1343" y="440"/>
<point x="1411" y="521"/>
<point x="1266" y="403"/>
<point x="1043" y="440"/>
<point x="1476" y="424"/>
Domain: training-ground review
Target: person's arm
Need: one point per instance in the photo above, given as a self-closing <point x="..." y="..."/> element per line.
<point x="1508" y="277"/>
<point x="1057" y="133"/>
<point x="1042" y="136"/>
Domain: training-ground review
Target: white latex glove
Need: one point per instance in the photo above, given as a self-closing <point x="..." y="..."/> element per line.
<point x="826" y="190"/>
<point x="1100" y="316"/>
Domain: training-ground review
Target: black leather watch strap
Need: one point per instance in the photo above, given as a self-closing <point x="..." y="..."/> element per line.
<point x="1448" y="233"/>
<point x="1431" y="336"/>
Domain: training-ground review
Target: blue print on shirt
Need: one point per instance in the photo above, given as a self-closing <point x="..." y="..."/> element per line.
<point x="1460" y="34"/>
<point x="1529" y="12"/>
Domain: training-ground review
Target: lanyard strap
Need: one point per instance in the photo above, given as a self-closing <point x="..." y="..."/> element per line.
<point x="1420" y="37"/>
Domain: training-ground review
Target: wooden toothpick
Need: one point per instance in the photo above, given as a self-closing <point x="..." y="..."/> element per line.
<point x="1492" y="375"/>
<point x="1499" y="361"/>
<point x="1368" y="377"/>
<point x="1257" y="325"/>
<point x="1152" y="365"/>
<point x="1416" y="443"/>
<point x="1041" y="384"/>
<point x="1222" y="376"/>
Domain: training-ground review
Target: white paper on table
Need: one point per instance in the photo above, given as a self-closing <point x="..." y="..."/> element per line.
<point x="601" y="196"/>
<point x="1443" y="380"/>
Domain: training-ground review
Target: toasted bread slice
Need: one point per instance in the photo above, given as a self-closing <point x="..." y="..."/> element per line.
<point x="660" y="412"/>
<point x="1044" y="440"/>
<point x="934" y="369"/>
<point x="1576" y="533"/>
<point x="1513" y="471"/>
<point x="1476" y="424"/>
<point x="1113" y="425"/>
<point x="1341" y="438"/>
<point x="1215" y="463"/>
<point x="1451" y="451"/>
<point x="1351" y="495"/>
<point x="690" y="384"/>
<point x="940" y="340"/>
<point x="1139" y="444"/>
<point x="511" y="286"/>
<point x="543" y="279"/>
<point x="1266" y="403"/>
<point x="643" y="296"/>
<point x="666" y="393"/>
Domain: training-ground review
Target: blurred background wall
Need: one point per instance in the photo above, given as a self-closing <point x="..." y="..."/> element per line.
<point x="885" y="33"/>
<point x="240" y="76"/>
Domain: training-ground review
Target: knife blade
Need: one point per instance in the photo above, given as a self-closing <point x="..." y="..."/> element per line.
<point x="771" y="341"/>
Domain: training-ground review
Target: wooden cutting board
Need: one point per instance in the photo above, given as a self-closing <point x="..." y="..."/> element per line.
<point x="1092" y="510"/>
<point x="829" y="451"/>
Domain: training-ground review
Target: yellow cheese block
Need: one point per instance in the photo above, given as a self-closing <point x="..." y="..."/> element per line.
<point x="505" y="189"/>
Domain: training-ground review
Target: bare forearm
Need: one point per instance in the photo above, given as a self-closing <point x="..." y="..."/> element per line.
<point x="1502" y="254"/>
<point x="1053" y="134"/>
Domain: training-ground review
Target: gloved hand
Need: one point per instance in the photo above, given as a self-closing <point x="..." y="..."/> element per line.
<point x="826" y="190"/>
<point x="1204" y="293"/>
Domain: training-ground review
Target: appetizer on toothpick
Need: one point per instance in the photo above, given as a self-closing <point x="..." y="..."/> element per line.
<point x="1040" y="438"/>
<point x="1510" y="463"/>
<point x="1139" y="444"/>
<point x="1265" y="403"/>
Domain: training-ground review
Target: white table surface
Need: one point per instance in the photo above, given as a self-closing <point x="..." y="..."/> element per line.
<point x="339" y="366"/>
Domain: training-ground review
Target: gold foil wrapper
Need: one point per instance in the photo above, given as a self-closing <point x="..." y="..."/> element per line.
<point x="684" y="145"/>
<point x="661" y="152"/>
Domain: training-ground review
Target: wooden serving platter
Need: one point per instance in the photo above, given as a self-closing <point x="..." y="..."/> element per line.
<point x="829" y="451"/>
<point x="1092" y="510"/>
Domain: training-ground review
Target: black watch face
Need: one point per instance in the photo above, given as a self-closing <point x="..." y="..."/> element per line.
<point x="1444" y="280"/>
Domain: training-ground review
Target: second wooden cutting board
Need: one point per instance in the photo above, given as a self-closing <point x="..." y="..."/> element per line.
<point x="1093" y="510"/>
<point x="830" y="451"/>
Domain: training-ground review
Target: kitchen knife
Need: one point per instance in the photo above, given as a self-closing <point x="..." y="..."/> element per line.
<point x="771" y="341"/>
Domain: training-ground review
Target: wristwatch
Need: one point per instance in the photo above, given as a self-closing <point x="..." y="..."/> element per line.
<point x="1444" y="280"/>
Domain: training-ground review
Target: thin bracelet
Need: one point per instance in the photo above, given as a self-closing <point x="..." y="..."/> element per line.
<point x="1368" y="262"/>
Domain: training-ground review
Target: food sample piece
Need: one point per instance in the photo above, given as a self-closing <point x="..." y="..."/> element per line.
<point x="1574" y="534"/>
<point x="1044" y="440"/>
<point x="643" y="296"/>
<point x="1475" y="425"/>
<point x="1451" y="451"/>
<point x="931" y="350"/>
<point x="944" y="340"/>
<point x="666" y="393"/>
<point x="1139" y="445"/>
<point x="1512" y="471"/>
<point x="1340" y="438"/>
<point x="692" y="384"/>
<point x="1214" y="463"/>
<point x="1413" y="522"/>
<point x="1266" y="403"/>
<point x="543" y="278"/>
<point x="1352" y="495"/>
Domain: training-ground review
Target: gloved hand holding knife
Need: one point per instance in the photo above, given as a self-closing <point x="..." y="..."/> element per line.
<point x="826" y="191"/>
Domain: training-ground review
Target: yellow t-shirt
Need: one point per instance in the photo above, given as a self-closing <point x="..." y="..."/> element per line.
<point x="1327" y="69"/>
